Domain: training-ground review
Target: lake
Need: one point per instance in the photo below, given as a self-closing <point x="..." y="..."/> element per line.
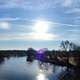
<point x="17" y="68"/>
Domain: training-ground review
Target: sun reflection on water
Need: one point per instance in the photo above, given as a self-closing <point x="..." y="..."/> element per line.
<point x="41" y="76"/>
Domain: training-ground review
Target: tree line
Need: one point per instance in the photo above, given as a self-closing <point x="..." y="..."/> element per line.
<point x="67" y="49"/>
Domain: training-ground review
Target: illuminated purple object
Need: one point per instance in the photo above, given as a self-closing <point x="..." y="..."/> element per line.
<point x="40" y="54"/>
<point x="41" y="51"/>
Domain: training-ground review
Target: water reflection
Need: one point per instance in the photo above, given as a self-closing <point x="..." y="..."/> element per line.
<point x="2" y="60"/>
<point x="47" y="71"/>
<point x="41" y="76"/>
<point x="55" y="68"/>
<point x="43" y="65"/>
<point x="35" y="70"/>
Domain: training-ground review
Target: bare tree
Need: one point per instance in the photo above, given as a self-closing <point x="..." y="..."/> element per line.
<point x="74" y="47"/>
<point x="65" y="46"/>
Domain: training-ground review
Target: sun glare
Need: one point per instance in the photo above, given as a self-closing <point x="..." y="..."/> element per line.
<point x="41" y="76"/>
<point x="41" y="30"/>
<point x="41" y="27"/>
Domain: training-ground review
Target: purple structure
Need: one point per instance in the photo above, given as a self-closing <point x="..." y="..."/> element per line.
<point x="40" y="54"/>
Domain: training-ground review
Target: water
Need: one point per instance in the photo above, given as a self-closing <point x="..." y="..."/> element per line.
<point x="17" y="68"/>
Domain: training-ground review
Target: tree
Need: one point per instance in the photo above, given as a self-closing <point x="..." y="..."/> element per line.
<point x="74" y="47"/>
<point x="31" y="53"/>
<point x="65" y="46"/>
<point x="69" y="46"/>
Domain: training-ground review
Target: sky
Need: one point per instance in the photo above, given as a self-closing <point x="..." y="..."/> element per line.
<point x="38" y="23"/>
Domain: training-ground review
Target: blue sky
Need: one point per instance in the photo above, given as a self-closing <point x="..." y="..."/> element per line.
<point x="38" y="23"/>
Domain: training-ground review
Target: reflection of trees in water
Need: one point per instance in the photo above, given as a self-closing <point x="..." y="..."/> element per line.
<point x="2" y="60"/>
<point x="8" y="57"/>
<point x="43" y="65"/>
<point x="29" y="59"/>
<point x="54" y="68"/>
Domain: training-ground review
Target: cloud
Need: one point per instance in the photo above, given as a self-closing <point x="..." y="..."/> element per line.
<point x="67" y="3"/>
<point x="71" y="37"/>
<point x="39" y="4"/>
<point x="9" y="19"/>
<point x="5" y="25"/>
<point x="45" y="36"/>
<point x="75" y="30"/>
<point x="28" y="36"/>
<point x="30" y="5"/>
<point x="74" y="10"/>
<point x="72" y="6"/>
<point x="12" y="19"/>
<point x="56" y="23"/>
<point x="14" y="4"/>
<point x="38" y="37"/>
<point x="32" y="35"/>
<point x="64" y="24"/>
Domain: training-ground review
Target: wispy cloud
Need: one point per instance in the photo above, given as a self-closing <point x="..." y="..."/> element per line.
<point x="73" y="6"/>
<point x="71" y="37"/>
<point x="39" y="4"/>
<point x="9" y="19"/>
<point x="64" y="24"/>
<point x="28" y="36"/>
<point x="56" y="23"/>
<point x="74" y="10"/>
<point x="31" y="35"/>
<point x="14" y="4"/>
<point x="5" y="25"/>
<point x="13" y="19"/>
<point x="67" y="3"/>
<point x="38" y="37"/>
<point x="30" y="5"/>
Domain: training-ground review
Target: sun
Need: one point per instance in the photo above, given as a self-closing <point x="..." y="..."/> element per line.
<point x="40" y="30"/>
<point x="41" y="27"/>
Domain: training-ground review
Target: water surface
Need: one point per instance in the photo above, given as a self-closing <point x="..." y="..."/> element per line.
<point x="17" y="68"/>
